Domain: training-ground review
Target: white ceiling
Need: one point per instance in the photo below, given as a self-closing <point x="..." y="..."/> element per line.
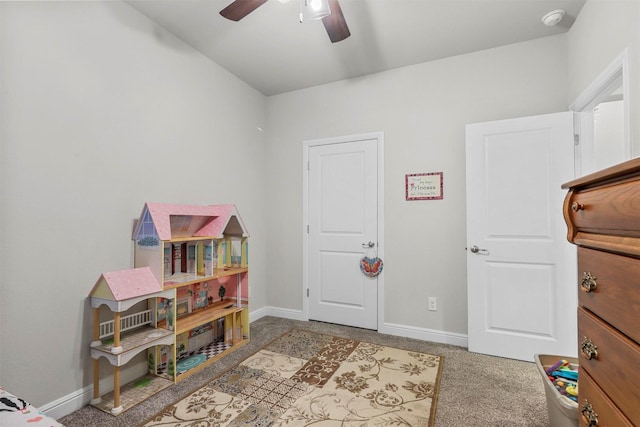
<point x="273" y="52"/>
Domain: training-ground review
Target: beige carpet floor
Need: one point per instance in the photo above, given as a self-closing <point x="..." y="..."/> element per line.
<point x="475" y="389"/>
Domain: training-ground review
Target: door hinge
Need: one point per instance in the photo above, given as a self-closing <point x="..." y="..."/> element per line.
<point x="307" y="292"/>
<point x="308" y="167"/>
<point x="307" y="228"/>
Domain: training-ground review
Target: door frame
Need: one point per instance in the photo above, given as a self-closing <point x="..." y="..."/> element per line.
<point x="307" y="144"/>
<point x="615" y="75"/>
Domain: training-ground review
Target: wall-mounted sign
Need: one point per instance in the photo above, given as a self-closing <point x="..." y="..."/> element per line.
<point x="424" y="186"/>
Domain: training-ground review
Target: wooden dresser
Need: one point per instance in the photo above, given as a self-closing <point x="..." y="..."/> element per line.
<point x="602" y="211"/>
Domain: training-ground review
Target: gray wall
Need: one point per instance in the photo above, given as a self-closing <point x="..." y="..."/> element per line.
<point x="423" y="110"/>
<point x="602" y="31"/>
<point x="102" y="111"/>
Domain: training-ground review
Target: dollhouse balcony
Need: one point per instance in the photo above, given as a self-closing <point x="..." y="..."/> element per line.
<point x="132" y="344"/>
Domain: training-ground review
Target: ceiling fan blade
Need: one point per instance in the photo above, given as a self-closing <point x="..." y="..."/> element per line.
<point x="241" y="8"/>
<point x="335" y="23"/>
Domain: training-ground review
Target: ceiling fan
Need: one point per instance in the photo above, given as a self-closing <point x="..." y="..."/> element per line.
<point x="334" y="23"/>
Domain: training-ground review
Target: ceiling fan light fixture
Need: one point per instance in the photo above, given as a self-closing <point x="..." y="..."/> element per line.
<point x="314" y="9"/>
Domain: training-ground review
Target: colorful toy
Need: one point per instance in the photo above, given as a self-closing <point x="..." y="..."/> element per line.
<point x="564" y="377"/>
<point x="568" y="389"/>
<point x="556" y="366"/>
<point x="565" y="373"/>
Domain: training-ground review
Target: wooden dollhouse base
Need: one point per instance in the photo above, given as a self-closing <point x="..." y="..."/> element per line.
<point x="133" y="393"/>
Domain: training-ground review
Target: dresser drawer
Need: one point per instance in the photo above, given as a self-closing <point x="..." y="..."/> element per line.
<point x="594" y="405"/>
<point x="609" y="209"/>
<point x="615" y="366"/>
<point x="612" y="289"/>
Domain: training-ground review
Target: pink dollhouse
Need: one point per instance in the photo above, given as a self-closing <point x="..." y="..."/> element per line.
<point x="201" y="254"/>
<point x="122" y="338"/>
<point x="191" y="268"/>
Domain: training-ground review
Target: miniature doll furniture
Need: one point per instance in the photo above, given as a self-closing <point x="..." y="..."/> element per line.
<point x="120" y="291"/>
<point x="194" y="251"/>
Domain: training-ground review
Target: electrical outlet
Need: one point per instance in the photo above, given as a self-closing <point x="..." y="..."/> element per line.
<point x="432" y="304"/>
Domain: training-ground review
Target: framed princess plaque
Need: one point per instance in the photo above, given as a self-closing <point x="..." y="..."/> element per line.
<point x="424" y="186"/>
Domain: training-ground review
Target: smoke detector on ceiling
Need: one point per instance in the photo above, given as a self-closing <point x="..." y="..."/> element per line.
<point x="553" y="18"/>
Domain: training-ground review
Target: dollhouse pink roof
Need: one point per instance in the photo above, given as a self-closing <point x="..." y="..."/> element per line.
<point x="126" y="284"/>
<point x="216" y="218"/>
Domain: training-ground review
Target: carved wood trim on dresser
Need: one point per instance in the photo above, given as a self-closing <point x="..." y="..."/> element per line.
<point x="602" y="212"/>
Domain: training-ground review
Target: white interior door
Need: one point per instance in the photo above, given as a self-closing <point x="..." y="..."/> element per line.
<point x="342" y="206"/>
<point x="522" y="296"/>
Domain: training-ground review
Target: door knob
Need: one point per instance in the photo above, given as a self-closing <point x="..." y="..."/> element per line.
<point x="368" y="245"/>
<point x="476" y="250"/>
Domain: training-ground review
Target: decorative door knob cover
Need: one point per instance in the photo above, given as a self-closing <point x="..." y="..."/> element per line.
<point x="371" y="267"/>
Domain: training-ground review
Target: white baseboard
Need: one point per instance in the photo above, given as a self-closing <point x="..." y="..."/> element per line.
<point x="258" y="314"/>
<point x="76" y="400"/>
<point x="67" y="404"/>
<point x="79" y="398"/>
<point x="424" y="334"/>
<point x="286" y="313"/>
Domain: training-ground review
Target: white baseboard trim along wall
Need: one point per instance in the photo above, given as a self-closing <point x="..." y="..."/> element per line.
<point x="79" y="398"/>
<point x="76" y="400"/>
<point x="424" y="334"/>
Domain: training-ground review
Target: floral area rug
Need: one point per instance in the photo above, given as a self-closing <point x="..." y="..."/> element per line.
<point x="304" y="378"/>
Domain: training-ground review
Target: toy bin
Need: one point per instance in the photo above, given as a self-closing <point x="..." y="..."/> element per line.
<point x="563" y="412"/>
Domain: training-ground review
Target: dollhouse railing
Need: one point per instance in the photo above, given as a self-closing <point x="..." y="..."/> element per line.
<point x="129" y="322"/>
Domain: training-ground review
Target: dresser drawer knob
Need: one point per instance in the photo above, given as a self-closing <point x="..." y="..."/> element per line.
<point x="588" y="283"/>
<point x="589" y="417"/>
<point x="575" y="206"/>
<point x="589" y="349"/>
